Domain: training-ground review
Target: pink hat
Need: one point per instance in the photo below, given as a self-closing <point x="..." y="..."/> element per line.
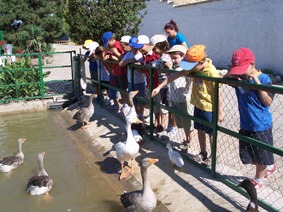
<point x="241" y="60"/>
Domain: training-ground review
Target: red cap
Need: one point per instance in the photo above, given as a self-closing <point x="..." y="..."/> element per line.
<point x="241" y="60"/>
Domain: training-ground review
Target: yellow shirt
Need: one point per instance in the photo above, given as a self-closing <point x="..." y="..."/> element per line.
<point x="203" y="90"/>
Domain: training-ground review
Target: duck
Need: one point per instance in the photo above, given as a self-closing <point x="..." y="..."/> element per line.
<point x="138" y="129"/>
<point x="84" y="114"/>
<point x="141" y="200"/>
<point x="175" y="156"/>
<point x="250" y="188"/>
<point x="128" y="149"/>
<point x="41" y="183"/>
<point x="9" y="163"/>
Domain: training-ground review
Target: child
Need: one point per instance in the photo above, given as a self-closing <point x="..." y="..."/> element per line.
<point x="131" y="57"/>
<point x="106" y="69"/>
<point x="159" y="47"/>
<point x="120" y="74"/>
<point x="255" y="117"/>
<point x="202" y="95"/>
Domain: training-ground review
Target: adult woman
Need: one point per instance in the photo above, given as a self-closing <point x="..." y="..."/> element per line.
<point x="174" y="37"/>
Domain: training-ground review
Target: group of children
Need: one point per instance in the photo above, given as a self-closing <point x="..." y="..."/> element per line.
<point x="193" y="96"/>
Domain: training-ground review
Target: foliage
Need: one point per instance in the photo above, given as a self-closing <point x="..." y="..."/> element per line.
<point x="45" y="14"/>
<point x="90" y="19"/>
<point x="14" y="78"/>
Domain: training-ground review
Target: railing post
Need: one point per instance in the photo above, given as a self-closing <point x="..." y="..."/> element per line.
<point x="132" y="78"/>
<point x="40" y="74"/>
<point x="99" y="83"/>
<point x="151" y="104"/>
<point x="79" y="73"/>
<point x="73" y="84"/>
<point x="215" y="128"/>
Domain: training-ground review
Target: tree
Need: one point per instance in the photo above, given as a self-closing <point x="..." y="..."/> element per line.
<point x="90" y="19"/>
<point x="17" y="15"/>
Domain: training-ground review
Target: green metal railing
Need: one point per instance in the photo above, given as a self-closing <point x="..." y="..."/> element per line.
<point x="215" y="126"/>
<point x="17" y="82"/>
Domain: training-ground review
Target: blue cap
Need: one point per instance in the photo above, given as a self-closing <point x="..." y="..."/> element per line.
<point x="133" y="41"/>
<point x="106" y="37"/>
<point x="184" y="64"/>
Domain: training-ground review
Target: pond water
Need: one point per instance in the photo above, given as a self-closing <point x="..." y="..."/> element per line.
<point x="77" y="185"/>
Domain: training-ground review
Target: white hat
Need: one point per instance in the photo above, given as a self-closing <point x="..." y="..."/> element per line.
<point x="92" y="46"/>
<point x="154" y="40"/>
<point x="178" y="48"/>
<point x="142" y="39"/>
<point x="125" y="39"/>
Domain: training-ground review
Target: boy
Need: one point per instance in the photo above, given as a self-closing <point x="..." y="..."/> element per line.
<point x="255" y="117"/>
<point x="202" y="95"/>
<point x="120" y="74"/>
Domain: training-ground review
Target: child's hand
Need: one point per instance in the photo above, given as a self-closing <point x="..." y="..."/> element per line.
<point x="155" y="91"/>
<point x="106" y="57"/>
<point x="220" y="118"/>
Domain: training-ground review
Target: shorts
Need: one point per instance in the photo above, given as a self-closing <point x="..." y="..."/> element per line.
<point x="113" y="94"/>
<point x="250" y="153"/>
<point x="104" y="87"/>
<point x="157" y="99"/>
<point x="165" y="97"/>
<point x="141" y="88"/>
<point x="94" y="76"/>
<point x="181" y="121"/>
<point x="206" y="116"/>
<point x="121" y="81"/>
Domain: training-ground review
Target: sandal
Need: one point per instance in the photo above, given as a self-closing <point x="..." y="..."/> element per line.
<point x="159" y="128"/>
<point x="207" y="162"/>
<point x="200" y="157"/>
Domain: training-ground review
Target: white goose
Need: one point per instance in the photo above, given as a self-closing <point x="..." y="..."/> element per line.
<point x="128" y="149"/>
<point x="41" y="183"/>
<point x="142" y="200"/>
<point x="9" y="163"/>
<point x="138" y="130"/>
<point x="175" y="156"/>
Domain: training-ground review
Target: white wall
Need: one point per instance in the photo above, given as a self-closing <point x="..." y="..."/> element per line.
<point x="224" y="26"/>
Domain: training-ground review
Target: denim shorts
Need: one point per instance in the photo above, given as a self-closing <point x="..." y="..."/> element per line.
<point x="141" y="88"/>
<point x="206" y="116"/>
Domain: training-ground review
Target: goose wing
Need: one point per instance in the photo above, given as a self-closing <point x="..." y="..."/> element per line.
<point x="10" y="160"/>
<point x="176" y="158"/>
<point x="131" y="200"/>
<point x="38" y="181"/>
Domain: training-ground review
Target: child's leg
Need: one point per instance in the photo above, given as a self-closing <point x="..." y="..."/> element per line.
<point x="190" y="136"/>
<point x="163" y="119"/>
<point x="260" y="171"/>
<point x="202" y="140"/>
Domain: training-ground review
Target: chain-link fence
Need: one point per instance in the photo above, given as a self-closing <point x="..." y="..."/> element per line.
<point x="172" y="116"/>
<point x="29" y="76"/>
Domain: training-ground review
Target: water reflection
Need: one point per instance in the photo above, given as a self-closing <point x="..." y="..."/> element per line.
<point x="77" y="185"/>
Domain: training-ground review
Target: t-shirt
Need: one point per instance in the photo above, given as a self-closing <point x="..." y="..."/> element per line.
<point x="165" y="58"/>
<point x="151" y="56"/>
<point x="92" y="62"/>
<point x="181" y="88"/>
<point x="254" y="115"/>
<point x="203" y="90"/>
<point x="117" y="70"/>
<point x="138" y="77"/>
<point x="104" y="72"/>
<point x="178" y="40"/>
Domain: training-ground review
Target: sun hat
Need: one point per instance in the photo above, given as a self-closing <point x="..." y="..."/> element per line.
<point x="154" y="40"/>
<point x="178" y="48"/>
<point x="193" y="55"/>
<point x="106" y="37"/>
<point x="125" y="39"/>
<point x="241" y="60"/>
<point x="142" y="39"/>
<point x="87" y="42"/>
<point x="92" y="46"/>
<point x="133" y="41"/>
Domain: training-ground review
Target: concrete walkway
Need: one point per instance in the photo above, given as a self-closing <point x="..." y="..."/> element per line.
<point x="190" y="189"/>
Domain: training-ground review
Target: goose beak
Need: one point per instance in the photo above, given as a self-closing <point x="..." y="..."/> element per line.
<point x="138" y="121"/>
<point x="153" y="160"/>
<point x="43" y="153"/>
<point x="24" y="139"/>
<point x="136" y="92"/>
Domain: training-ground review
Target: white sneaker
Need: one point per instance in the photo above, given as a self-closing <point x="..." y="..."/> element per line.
<point x="174" y="133"/>
<point x="169" y="128"/>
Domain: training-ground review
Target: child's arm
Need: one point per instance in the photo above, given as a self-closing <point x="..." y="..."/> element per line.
<point x="126" y="62"/>
<point x="116" y="53"/>
<point x="264" y="97"/>
<point x="167" y="81"/>
<point x="220" y="108"/>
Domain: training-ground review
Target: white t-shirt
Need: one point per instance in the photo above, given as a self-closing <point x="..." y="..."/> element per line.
<point x="165" y="58"/>
<point x="138" y="77"/>
<point x="104" y="72"/>
<point x="181" y="88"/>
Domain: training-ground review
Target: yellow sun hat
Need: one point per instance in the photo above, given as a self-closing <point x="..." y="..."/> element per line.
<point x="87" y="42"/>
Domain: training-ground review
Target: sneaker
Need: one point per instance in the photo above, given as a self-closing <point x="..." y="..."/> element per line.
<point x="269" y="172"/>
<point x="169" y="128"/>
<point x="114" y="107"/>
<point x="173" y="133"/>
<point x="257" y="184"/>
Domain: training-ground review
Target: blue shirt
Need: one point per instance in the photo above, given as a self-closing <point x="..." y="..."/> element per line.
<point x="178" y="40"/>
<point x="254" y="115"/>
<point x="92" y="63"/>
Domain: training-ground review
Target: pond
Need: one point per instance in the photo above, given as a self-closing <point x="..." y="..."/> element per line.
<point x="78" y="186"/>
